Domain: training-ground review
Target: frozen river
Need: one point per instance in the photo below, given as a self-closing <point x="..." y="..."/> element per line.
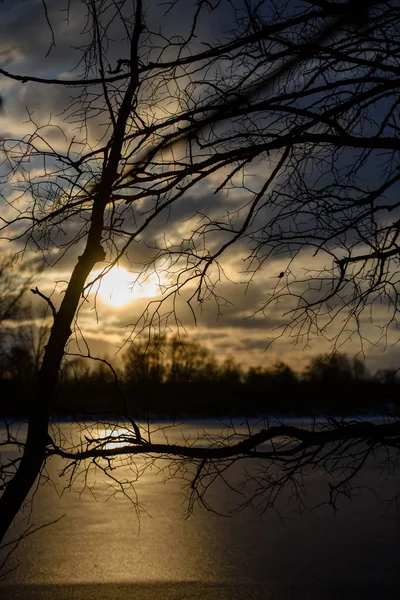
<point x="100" y="549"/>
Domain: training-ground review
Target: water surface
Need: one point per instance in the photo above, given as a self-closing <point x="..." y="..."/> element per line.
<point x="109" y="547"/>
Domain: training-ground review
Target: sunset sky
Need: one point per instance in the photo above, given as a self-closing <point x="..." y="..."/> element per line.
<point x="233" y="327"/>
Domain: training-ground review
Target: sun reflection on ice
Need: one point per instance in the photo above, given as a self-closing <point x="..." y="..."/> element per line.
<point x="122" y="438"/>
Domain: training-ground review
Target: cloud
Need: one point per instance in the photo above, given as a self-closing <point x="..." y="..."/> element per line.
<point x="26" y="36"/>
<point x="238" y="323"/>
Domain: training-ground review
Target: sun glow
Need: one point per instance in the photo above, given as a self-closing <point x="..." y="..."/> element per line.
<point x="118" y="287"/>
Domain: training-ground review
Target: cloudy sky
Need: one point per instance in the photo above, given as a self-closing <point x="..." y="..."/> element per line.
<point x="235" y="321"/>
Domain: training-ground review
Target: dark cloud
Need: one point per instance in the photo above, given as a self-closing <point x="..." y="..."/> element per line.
<point x="27" y="35"/>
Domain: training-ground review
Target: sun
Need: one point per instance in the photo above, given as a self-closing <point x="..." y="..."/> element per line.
<point x="118" y="287"/>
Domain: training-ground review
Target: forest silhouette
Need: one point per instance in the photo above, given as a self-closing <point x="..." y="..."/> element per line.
<point x="174" y="376"/>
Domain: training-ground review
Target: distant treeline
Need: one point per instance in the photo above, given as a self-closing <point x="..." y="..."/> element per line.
<point x="175" y="377"/>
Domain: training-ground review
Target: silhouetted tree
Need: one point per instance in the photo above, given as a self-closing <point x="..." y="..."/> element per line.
<point x="21" y="342"/>
<point x="145" y="361"/>
<point x="335" y="368"/>
<point x="161" y="114"/>
<point x="231" y="372"/>
<point x="13" y="286"/>
<point x="387" y="376"/>
<point x="331" y="368"/>
<point x="281" y="373"/>
<point x="189" y="362"/>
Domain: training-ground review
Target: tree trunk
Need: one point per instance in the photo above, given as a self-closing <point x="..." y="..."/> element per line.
<point x="34" y="454"/>
<point x="33" y="457"/>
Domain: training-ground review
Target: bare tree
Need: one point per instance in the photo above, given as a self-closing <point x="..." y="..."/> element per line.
<point x="15" y="281"/>
<point x="296" y="106"/>
<point x="13" y="286"/>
